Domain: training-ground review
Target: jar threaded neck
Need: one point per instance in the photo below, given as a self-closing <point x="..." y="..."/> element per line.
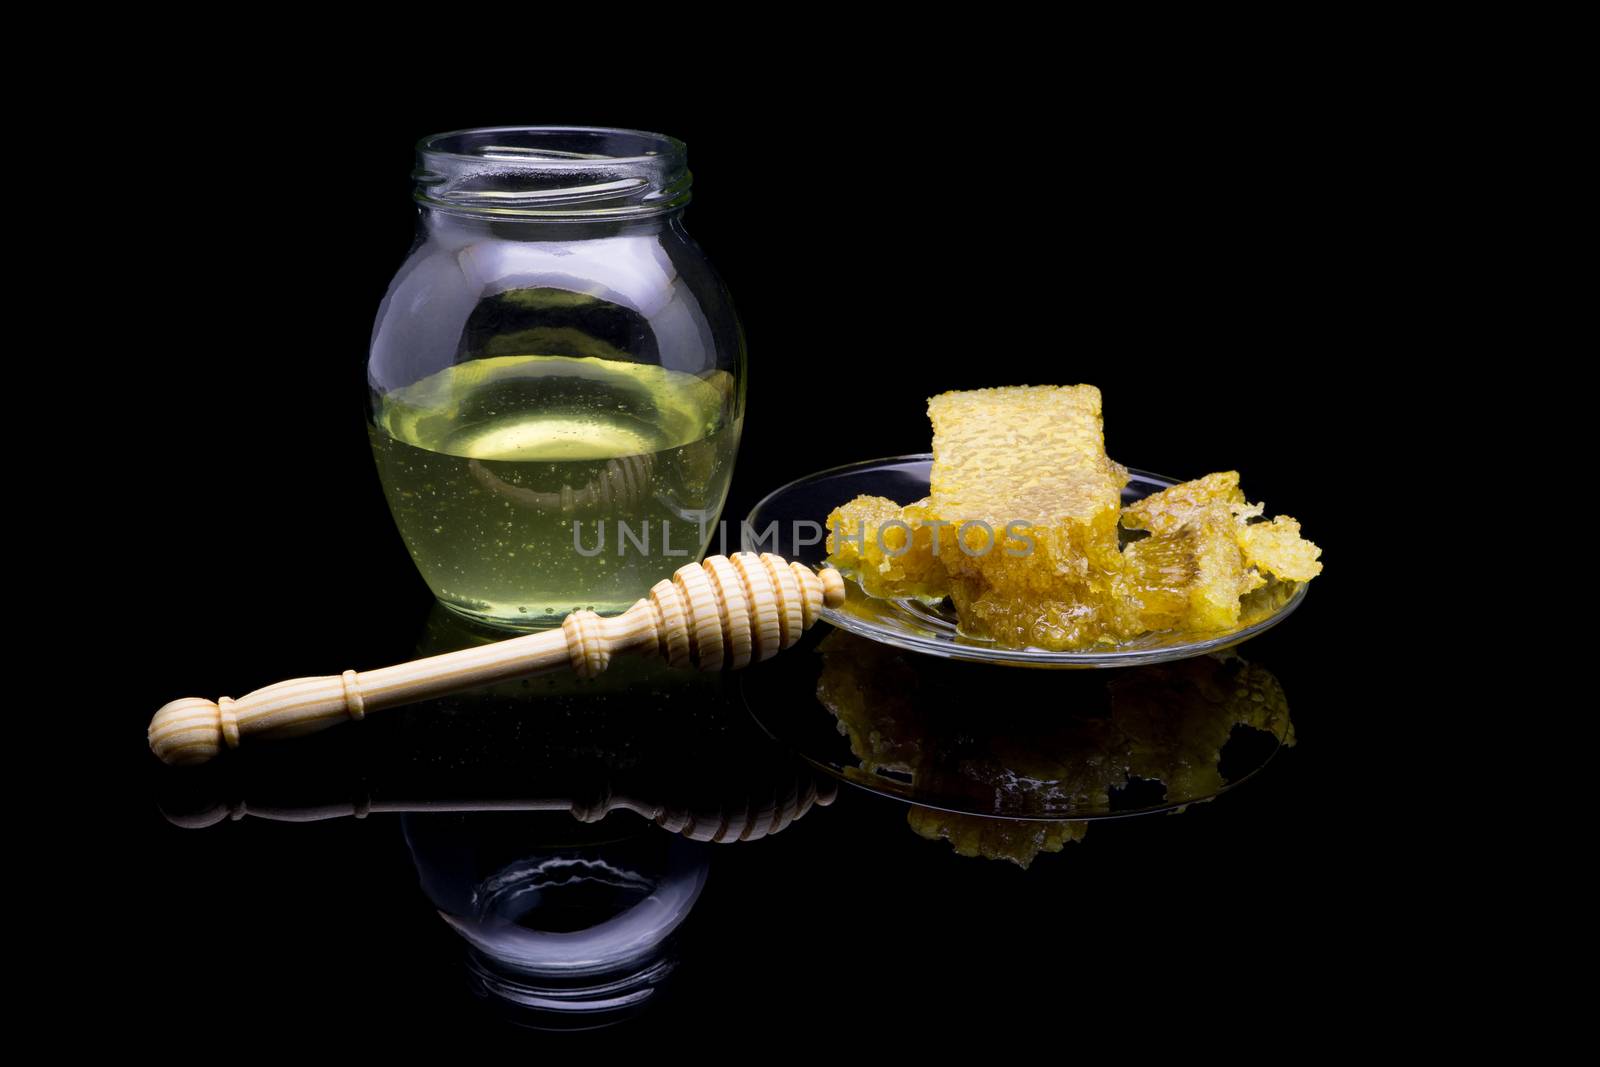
<point x="552" y="173"/>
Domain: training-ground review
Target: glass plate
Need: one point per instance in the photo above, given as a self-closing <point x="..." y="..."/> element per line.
<point x="799" y="509"/>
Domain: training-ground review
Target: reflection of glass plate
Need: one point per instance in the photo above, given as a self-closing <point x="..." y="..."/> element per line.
<point x="1032" y="746"/>
<point x="800" y="508"/>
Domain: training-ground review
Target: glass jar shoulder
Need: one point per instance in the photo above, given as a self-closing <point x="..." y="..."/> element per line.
<point x="472" y="289"/>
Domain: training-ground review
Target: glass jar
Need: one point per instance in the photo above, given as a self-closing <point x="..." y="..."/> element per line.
<point x="556" y="377"/>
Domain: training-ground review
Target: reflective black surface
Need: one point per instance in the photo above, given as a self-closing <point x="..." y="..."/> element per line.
<point x="365" y="895"/>
<point x="552" y="856"/>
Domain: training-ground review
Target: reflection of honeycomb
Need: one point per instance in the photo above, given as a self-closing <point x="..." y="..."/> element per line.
<point x="1020" y="531"/>
<point x="933" y="724"/>
<point x="1016" y="840"/>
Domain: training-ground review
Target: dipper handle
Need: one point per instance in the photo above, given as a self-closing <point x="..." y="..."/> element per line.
<point x="721" y="613"/>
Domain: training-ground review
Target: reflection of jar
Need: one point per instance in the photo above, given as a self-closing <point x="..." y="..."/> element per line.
<point x="556" y="378"/>
<point x="571" y="925"/>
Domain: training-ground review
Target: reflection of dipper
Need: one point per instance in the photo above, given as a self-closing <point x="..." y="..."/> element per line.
<point x="724" y="612"/>
<point x="622" y="483"/>
<point x="568" y="913"/>
<point x="749" y="811"/>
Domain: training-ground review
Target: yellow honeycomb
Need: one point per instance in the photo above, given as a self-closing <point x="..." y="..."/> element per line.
<point x="1020" y="531"/>
<point x="1276" y="548"/>
<point x="1193" y="568"/>
<point x="1169" y="509"/>
<point x="1028" y="463"/>
<point x="866" y="539"/>
<point x="1022" y="452"/>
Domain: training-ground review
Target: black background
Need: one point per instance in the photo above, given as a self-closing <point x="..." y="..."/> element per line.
<point x="1212" y="272"/>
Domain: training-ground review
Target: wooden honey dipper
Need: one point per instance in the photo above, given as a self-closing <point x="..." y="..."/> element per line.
<point x="722" y="613"/>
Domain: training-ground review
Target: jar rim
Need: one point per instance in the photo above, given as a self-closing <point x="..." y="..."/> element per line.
<point x="554" y="173"/>
<point x="428" y="145"/>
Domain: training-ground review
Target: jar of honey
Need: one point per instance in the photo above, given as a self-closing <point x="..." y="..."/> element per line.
<point x="556" y="375"/>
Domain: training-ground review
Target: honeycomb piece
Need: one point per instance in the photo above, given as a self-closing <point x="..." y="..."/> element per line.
<point x="1023" y="452"/>
<point x="1167" y="510"/>
<point x="1029" y="464"/>
<point x="1187" y="578"/>
<point x="1203" y="555"/>
<point x="887" y="548"/>
<point x="1021" y="531"/>
<point x="1276" y="548"/>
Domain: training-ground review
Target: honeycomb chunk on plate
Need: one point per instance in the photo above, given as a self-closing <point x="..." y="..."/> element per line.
<point x="1030" y="501"/>
<point x="1169" y="509"/>
<point x="1021" y="531"/>
<point x="887" y="548"/>
<point x="1203" y="555"/>
<point x="1276" y="548"/>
